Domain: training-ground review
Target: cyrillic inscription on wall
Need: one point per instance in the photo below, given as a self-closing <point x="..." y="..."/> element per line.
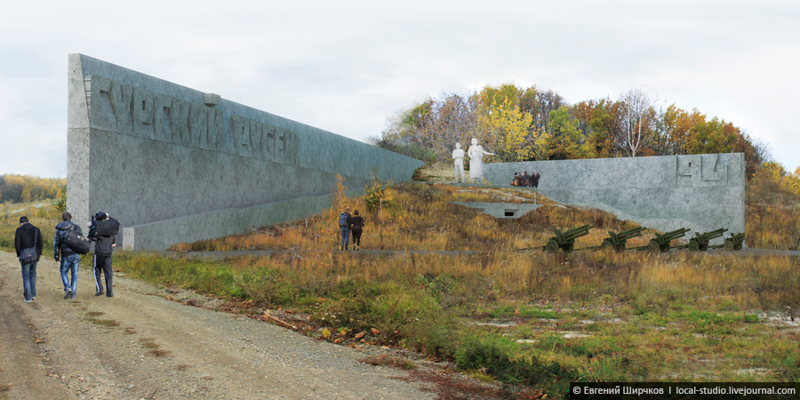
<point x="132" y="110"/>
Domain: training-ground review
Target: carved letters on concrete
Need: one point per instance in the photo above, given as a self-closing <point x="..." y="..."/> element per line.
<point x="701" y="170"/>
<point x="131" y="110"/>
<point x="264" y="141"/>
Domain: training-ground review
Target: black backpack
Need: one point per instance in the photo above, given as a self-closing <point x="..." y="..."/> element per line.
<point x="75" y="240"/>
<point x="106" y="227"/>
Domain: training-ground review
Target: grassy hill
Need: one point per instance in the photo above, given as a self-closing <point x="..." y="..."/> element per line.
<point x="532" y="320"/>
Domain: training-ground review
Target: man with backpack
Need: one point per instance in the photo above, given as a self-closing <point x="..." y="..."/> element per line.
<point x="105" y="241"/>
<point x="28" y="243"/>
<point x="69" y="257"/>
<point x="344" y="226"/>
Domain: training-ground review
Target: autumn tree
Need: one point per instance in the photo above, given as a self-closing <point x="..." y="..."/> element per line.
<point x="714" y="136"/>
<point x="599" y="123"/>
<point x="637" y="121"/>
<point x="503" y="126"/>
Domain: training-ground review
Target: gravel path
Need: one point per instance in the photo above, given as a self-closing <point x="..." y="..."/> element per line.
<point x="140" y="346"/>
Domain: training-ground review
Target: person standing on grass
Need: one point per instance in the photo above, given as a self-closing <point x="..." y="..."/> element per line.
<point x="103" y="250"/>
<point x="344" y="227"/>
<point x="69" y="258"/>
<point x="356" y="224"/>
<point x="28" y="244"/>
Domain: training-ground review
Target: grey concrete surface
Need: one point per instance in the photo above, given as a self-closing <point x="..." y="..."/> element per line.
<point x="172" y="161"/>
<point x="501" y="210"/>
<point x="700" y="192"/>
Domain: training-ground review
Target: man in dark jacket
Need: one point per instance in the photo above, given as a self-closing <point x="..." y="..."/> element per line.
<point x="69" y="258"/>
<point x="103" y="249"/>
<point x="28" y="236"/>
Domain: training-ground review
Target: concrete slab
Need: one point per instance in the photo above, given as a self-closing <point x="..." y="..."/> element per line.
<point x="501" y="210"/>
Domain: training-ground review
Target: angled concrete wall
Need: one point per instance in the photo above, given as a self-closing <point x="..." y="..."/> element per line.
<point x="501" y="210"/>
<point x="700" y="192"/>
<point x="166" y="160"/>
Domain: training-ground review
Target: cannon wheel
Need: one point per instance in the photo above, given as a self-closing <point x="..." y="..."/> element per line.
<point x="703" y="246"/>
<point x="653" y="247"/>
<point x="693" y="246"/>
<point x="619" y="248"/>
<point x="551" y="246"/>
<point x="568" y="248"/>
<point x="728" y="246"/>
<point x="737" y="247"/>
<point x="606" y="245"/>
<point x="665" y="248"/>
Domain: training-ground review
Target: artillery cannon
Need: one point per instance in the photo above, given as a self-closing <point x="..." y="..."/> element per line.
<point x="700" y="241"/>
<point x="566" y="240"/>
<point x="734" y="242"/>
<point x="618" y="241"/>
<point x="662" y="241"/>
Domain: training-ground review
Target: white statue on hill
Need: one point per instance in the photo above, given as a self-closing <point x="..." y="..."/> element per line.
<point x="476" y="153"/>
<point x="458" y="163"/>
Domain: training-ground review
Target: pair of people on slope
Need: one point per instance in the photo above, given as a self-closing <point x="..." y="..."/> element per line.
<point x="69" y="258"/>
<point x="350" y="223"/>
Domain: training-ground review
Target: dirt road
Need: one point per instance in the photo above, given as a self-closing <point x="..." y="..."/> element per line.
<point x="140" y="346"/>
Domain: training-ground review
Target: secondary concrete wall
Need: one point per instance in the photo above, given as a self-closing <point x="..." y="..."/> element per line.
<point x="175" y="164"/>
<point x="501" y="210"/>
<point x="700" y="192"/>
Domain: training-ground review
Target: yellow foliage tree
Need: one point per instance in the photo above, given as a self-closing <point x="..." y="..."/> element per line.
<point x="507" y="130"/>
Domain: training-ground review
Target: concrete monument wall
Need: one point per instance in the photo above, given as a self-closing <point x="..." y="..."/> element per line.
<point x="700" y="192"/>
<point x="175" y="164"/>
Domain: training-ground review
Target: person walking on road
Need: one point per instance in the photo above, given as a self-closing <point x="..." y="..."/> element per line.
<point x="103" y="250"/>
<point x="28" y="244"/>
<point x="69" y="258"/>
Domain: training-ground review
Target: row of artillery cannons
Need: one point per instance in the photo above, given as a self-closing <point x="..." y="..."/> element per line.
<point x="618" y="241"/>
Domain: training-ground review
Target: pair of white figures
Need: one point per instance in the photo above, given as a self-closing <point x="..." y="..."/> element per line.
<point x="475" y="153"/>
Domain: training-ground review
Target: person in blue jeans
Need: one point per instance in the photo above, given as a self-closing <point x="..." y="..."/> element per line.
<point x="344" y="227"/>
<point x="28" y="237"/>
<point x="69" y="258"/>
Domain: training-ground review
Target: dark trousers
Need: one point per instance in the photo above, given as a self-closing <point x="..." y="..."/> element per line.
<point x="103" y="263"/>
<point x="356" y="236"/>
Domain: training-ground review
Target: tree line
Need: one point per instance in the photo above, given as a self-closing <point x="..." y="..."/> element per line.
<point x="527" y="124"/>
<point x="26" y="188"/>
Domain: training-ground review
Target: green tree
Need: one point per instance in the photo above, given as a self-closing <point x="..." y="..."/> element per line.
<point x="564" y="140"/>
<point x="598" y="122"/>
<point x="714" y="136"/>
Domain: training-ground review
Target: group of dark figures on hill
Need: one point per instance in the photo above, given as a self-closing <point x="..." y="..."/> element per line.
<point x="525" y="180"/>
<point x="28" y="243"/>
<point x="350" y="224"/>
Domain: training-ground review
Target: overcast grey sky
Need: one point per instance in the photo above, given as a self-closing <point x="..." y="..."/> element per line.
<point x="347" y="66"/>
